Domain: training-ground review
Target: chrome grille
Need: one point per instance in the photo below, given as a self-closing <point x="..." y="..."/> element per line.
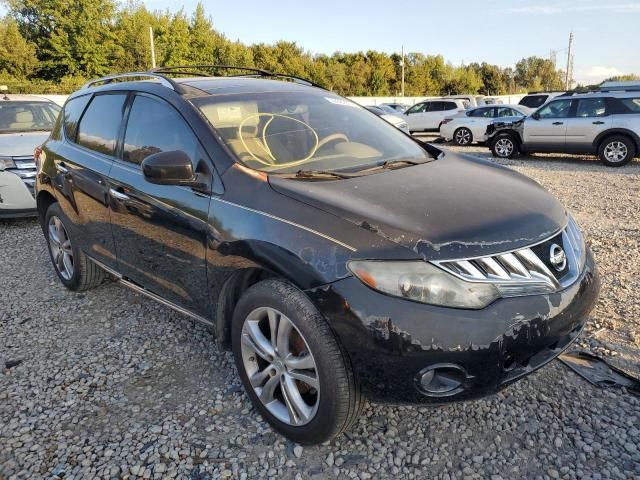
<point x="26" y="170"/>
<point x="525" y="271"/>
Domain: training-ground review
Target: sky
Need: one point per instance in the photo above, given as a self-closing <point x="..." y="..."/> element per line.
<point x="500" y="32"/>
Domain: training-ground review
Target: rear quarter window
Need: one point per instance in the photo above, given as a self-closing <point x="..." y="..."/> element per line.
<point x="72" y="113"/>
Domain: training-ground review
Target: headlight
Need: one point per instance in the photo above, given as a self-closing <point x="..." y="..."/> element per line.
<point x="6" y="162"/>
<point x="422" y="282"/>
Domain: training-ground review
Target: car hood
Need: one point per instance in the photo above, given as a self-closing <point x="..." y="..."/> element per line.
<point x="20" y="144"/>
<point x="455" y="207"/>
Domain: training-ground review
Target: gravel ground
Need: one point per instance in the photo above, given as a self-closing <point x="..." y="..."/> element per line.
<point x="109" y="384"/>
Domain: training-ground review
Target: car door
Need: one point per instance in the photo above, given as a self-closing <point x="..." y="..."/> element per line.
<point x="478" y="121"/>
<point x="546" y="129"/>
<point x="591" y="118"/>
<point x="416" y="115"/>
<point x="160" y="230"/>
<point x="92" y="126"/>
<point x="435" y="115"/>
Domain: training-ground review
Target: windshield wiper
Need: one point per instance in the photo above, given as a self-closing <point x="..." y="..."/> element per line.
<point x="390" y="163"/>
<point x="321" y="173"/>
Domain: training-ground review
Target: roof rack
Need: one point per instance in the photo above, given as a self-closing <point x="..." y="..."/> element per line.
<point x="254" y="72"/>
<point x="167" y="82"/>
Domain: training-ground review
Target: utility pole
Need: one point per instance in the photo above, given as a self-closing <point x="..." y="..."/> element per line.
<point x="402" y="65"/>
<point x="153" y="48"/>
<point x="567" y="82"/>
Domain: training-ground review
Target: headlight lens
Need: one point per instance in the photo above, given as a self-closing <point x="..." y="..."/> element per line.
<point x="423" y="282"/>
<point x="6" y="162"/>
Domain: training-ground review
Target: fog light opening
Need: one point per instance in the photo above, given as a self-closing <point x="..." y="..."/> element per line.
<point x="441" y="380"/>
<point x="509" y="363"/>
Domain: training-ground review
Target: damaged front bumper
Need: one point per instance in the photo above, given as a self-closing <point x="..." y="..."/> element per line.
<point x="16" y="195"/>
<point x="404" y="351"/>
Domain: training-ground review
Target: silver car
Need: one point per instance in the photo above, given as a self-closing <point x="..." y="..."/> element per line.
<point x="606" y="123"/>
<point x="25" y="123"/>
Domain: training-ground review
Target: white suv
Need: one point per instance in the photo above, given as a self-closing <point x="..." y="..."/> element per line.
<point x="428" y="115"/>
<point x="602" y="123"/>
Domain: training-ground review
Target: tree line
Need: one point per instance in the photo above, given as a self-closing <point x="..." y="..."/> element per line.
<point x="54" y="46"/>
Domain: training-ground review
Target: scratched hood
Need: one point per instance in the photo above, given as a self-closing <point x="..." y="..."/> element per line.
<point x="20" y="144"/>
<point x="450" y="208"/>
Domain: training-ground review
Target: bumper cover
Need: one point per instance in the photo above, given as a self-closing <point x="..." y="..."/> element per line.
<point x="391" y="340"/>
<point x="15" y="198"/>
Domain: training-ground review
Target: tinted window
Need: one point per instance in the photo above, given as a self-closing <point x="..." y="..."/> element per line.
<point x="449" y="106"/>
<point x="632" y="104"/>
<point x="591" y="107"/>
<point x="482" y="112"/>
<point x="533" y="101"/>
<point x="100" y="124"/>
<point x="556" y="109"/>
<point x="72" y="112"/>
<point x="155" y="126"/>
<point x="435" y="106"/>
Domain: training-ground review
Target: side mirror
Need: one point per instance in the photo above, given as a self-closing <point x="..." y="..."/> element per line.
<point x="535" y="116"/>
<point x="169" y="168"/>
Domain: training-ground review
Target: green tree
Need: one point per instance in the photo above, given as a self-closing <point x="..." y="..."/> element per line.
<point x="17" y="55"/>
<point x="73" y="37"/>
<point x="535" y="73"/>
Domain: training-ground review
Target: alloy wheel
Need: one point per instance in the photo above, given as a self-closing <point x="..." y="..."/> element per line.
<point x="504" y="147"/>
<point x="615" y="151"/>
<point x="280" y="366"/>
<point x="60" y="246"/>
<point x="463" y="136"/>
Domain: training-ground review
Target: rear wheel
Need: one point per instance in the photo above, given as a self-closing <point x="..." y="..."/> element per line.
<point x="616" y="151"/>
<point x="75" y="270"/>
<point x="291" y="364"/>
<point x="462" y="136"/>
<point x="504" y="146"/>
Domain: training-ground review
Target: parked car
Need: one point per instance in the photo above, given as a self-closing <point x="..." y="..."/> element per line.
<point x="602" y="123"/>
<point x="470" y="101"/>
<point x="25" y="122"/>
<point x="394" y="120"/>
<point x="471" y="126"/>
<point x="388" y="110"/>
<point x="428" y="115"/>
<point x="398" y="107"/>
<point x="338" y="258"/>
<point x="537" y="99"/>
<point x="492" y="101"/>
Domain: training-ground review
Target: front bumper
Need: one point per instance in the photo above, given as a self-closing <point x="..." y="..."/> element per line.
<point x="16" y="198"/>
<point x="391" y="341"/>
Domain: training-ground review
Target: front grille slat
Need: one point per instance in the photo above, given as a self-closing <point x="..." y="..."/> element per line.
<point x="528" y="270"/>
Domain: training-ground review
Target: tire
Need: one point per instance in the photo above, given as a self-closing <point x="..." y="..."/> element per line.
<point x="504" y="146"/>
<point x="329" y="409"/>
<point x="76" y="271"/>
<point x="616" y="150"/>
<point x="462" y="136"/>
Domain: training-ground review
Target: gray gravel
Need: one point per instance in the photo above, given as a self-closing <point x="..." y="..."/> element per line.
<point x="109" y="384"/>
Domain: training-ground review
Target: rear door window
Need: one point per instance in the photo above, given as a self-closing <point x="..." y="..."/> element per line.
<point x="591" y="107"/>
<point x="482" y="112"/>
<point x="100" y="125"/>
<point x="155" y="126"/>
<point x="633" y="104"/>
<point x="449" y="106"/>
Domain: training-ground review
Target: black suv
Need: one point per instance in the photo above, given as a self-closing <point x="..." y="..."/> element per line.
<point x="338" y="258"/>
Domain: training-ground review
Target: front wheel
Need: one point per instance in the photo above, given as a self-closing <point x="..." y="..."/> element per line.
<point x="291" y="364"/>
<point x="616" y="151"/>
<point x="504" y="146"/>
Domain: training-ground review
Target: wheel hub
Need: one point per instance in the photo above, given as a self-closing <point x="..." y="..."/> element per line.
<point x="280" y="366"/>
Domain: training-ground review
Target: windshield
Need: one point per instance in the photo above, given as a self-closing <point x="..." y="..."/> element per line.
<point x="284" y="132"/>
<point x="27" y="116"/>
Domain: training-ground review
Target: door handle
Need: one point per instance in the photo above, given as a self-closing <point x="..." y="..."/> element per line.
<point x="557" y="123"/>
<point x="62" y="169"/>
<point x="598" y="123"/>
<point x="118" y="195"/>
